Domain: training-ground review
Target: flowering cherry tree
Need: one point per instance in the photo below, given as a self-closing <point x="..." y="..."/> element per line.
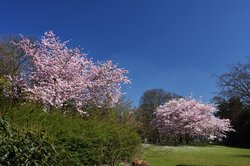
<point x="189" y="119"/>
<point x="57" y="74"/>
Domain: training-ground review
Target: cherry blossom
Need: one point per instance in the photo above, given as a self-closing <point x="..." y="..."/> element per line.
<point x="190" y="118"/>
<point x="57" y="74"/>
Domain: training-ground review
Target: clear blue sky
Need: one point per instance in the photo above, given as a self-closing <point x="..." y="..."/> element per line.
<point x="176" y="45"/>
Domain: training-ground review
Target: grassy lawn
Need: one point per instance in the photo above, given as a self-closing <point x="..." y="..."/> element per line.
<point x="196" y="156"/>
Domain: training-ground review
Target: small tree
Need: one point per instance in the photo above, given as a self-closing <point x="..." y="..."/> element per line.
<point x="189" y="119"/>
<point x="57" y="75"/>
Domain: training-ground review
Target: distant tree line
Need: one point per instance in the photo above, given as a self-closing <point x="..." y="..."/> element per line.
<point x="232" y="102"/>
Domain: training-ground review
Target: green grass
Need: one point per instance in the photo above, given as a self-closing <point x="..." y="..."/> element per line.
<point x="196" y="156"/>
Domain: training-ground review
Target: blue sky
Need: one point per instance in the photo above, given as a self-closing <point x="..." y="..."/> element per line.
<point x="177" y="45"/>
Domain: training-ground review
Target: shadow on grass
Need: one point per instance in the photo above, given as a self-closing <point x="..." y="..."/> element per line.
<point x="236" y="146"/>
<point x="187" y="165"/>
<point x="243" y="155"/>
<point x="181" y="145"/>
<point x="196" y="165"/>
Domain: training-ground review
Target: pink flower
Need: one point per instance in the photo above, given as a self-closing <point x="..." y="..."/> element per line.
<point x="59" y="74"/>
<point x="182" y="116"/>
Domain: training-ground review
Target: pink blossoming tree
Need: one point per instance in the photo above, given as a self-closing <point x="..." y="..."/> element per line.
<point x="188" y="119"/>
<point x="57" y="74"/>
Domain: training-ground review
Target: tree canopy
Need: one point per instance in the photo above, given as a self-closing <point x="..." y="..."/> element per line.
<point x="57" y="74"/>
<point x="190" y="118"/>
<point x="236" y="82"/>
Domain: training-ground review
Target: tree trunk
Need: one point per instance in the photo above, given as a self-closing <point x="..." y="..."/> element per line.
<point x="180" y="139"/>
<point x="187" y="138"/>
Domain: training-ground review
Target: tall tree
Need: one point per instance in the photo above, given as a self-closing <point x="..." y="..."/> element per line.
<point x="233" y="102"/>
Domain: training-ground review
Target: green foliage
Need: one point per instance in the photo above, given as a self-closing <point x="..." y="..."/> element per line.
<point x="98" y="139"/>
<point x="5" y="101"/>
<point x="3" y="85"/>
<point x="24" y="148"/>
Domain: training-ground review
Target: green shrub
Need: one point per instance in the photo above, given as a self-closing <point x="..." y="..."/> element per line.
<point x="24" y="148"/>
<point x="97" y="139"/>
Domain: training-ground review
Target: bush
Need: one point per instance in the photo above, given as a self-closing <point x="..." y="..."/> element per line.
<point x="25" y="148"/>
<point x="97" y="139"/>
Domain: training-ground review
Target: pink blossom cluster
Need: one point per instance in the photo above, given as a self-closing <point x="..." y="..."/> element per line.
<point x="182" y="117"/>
<point x="57" y="74"/>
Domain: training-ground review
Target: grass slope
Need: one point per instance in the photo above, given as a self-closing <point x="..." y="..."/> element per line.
<point x="196" y="156"/>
